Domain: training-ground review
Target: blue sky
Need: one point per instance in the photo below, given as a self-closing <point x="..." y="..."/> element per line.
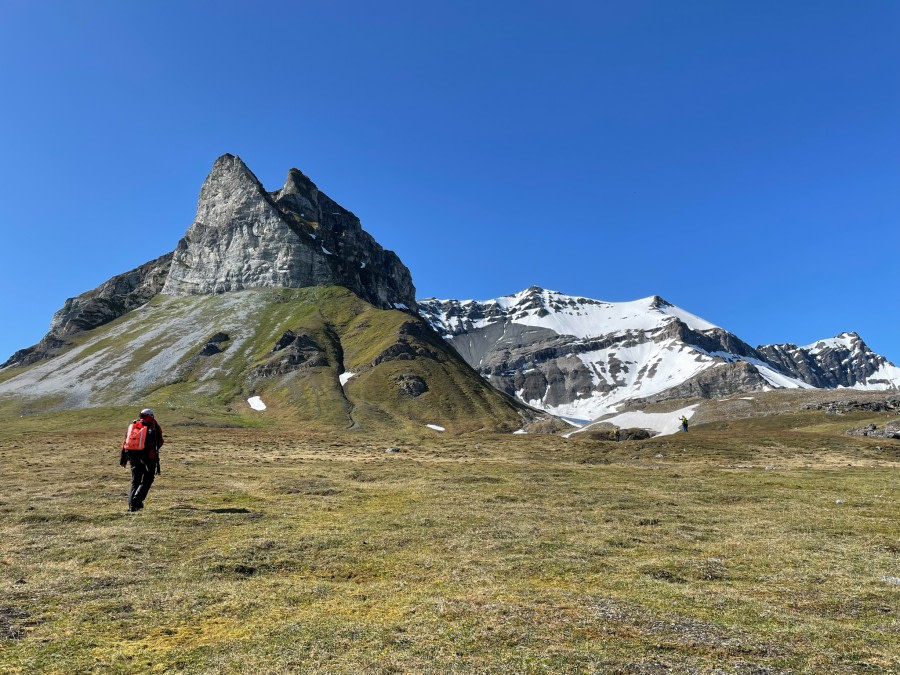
<point x="742" y="160"/>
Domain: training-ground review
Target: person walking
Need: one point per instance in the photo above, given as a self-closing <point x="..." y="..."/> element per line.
<point x="684" y="424"/>
<point x="141" y="448"/>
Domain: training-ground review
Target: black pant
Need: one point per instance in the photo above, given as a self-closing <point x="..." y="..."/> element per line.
<point x="142" y="474"/>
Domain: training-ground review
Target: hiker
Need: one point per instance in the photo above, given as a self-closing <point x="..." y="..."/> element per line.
<point x="684" y="424"/>
<point x="141" y="448"/>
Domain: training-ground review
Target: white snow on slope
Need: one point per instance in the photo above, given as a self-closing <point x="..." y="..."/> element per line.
<point x="662" y="423"/>
<point x="435" y="427"/>
<point x="670" y="363"/>
<point x="570" y="315"/>
<point x="256" y="403"/>
<point x="849" y="341"/>
<point x="345" y="377"/>
<point x="886" y="377"/>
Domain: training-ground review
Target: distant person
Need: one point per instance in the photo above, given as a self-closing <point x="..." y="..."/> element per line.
<point x="684" y="424"/>
<point x="141" y="447"/>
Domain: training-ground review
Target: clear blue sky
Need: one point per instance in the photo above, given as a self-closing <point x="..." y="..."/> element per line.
<point x="740" y="159"/>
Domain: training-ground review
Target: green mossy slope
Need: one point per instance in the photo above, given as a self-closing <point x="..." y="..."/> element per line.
<point x="200" y="358"/>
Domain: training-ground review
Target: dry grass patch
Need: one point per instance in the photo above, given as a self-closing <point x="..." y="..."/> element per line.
<point x="264" y="550"/>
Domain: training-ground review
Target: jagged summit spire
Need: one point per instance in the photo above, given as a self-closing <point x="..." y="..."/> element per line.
<point x="244" y="237"/>
<point x="297" y="181"/>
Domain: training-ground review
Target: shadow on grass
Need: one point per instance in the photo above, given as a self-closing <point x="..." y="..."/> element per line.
<point x="230" y="510"/>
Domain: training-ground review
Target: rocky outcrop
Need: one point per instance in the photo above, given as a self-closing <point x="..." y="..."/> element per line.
<point x="292" y="352"/>
<point x="109" y="301"/>
<point x="727" y="379"/>
<point x="244" y="237"/>
<point x="889" y="430"/>
<point x="888" y="404"/>
<point x="842" y="361"/>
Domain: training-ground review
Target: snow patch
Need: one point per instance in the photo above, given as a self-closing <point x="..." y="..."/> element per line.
<point x="435" y="427"/>
<point x="326" y="251"/>
<point x="520" y="431"/>
<point x="662" y="423"/>
<point x="345" y="377"/>
<point x="256" y="403"/>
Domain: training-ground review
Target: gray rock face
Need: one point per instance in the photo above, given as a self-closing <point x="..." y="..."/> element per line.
<point x="110" y="300"/>
<point x="244" y="237"/>
<point x="737" y="377"/>
<point x="843" y="361"/>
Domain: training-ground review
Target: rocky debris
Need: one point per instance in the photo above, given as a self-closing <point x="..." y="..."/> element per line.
<point x="614" y="434"/>
<point x="890" y="430"/>
<point x="411" y="385"/>
<point x="292" y="352"/>
<point x="109" y="301"/>
<point x="887" y="404"/>
<point x="214" y="344"/>
<point x="244" y="237"/>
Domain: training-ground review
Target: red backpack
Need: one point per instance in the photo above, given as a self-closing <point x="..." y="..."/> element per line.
<point x="135" y="437"/>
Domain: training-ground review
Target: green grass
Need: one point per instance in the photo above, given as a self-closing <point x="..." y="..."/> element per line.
<point x="278" y="550"/>
<point x="354" y="335"/>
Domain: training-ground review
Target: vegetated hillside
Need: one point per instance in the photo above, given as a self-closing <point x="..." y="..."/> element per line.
<point x="320" y="356"/>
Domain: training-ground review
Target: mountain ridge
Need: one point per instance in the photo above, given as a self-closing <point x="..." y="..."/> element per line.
<point x="581" y="357"/>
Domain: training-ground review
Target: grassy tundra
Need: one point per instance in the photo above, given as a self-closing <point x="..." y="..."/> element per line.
<point x="759" y="546"/>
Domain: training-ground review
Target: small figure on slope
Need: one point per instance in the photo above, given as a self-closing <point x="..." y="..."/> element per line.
<point x="684" y="423"/>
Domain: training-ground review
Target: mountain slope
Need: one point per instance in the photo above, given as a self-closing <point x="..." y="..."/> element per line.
<point x="291" y="347"/>
<point x="581" y="358"/>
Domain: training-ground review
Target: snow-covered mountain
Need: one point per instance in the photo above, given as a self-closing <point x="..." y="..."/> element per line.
<point x="581" y="358"/>
<point x="842" y="361"/>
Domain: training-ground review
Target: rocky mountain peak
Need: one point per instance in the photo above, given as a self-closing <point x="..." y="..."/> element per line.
<point x="243" y="237"/>
<point x="299" y="183"/>
<point x="657" y="302"/>
<point x="842" y="361"/>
